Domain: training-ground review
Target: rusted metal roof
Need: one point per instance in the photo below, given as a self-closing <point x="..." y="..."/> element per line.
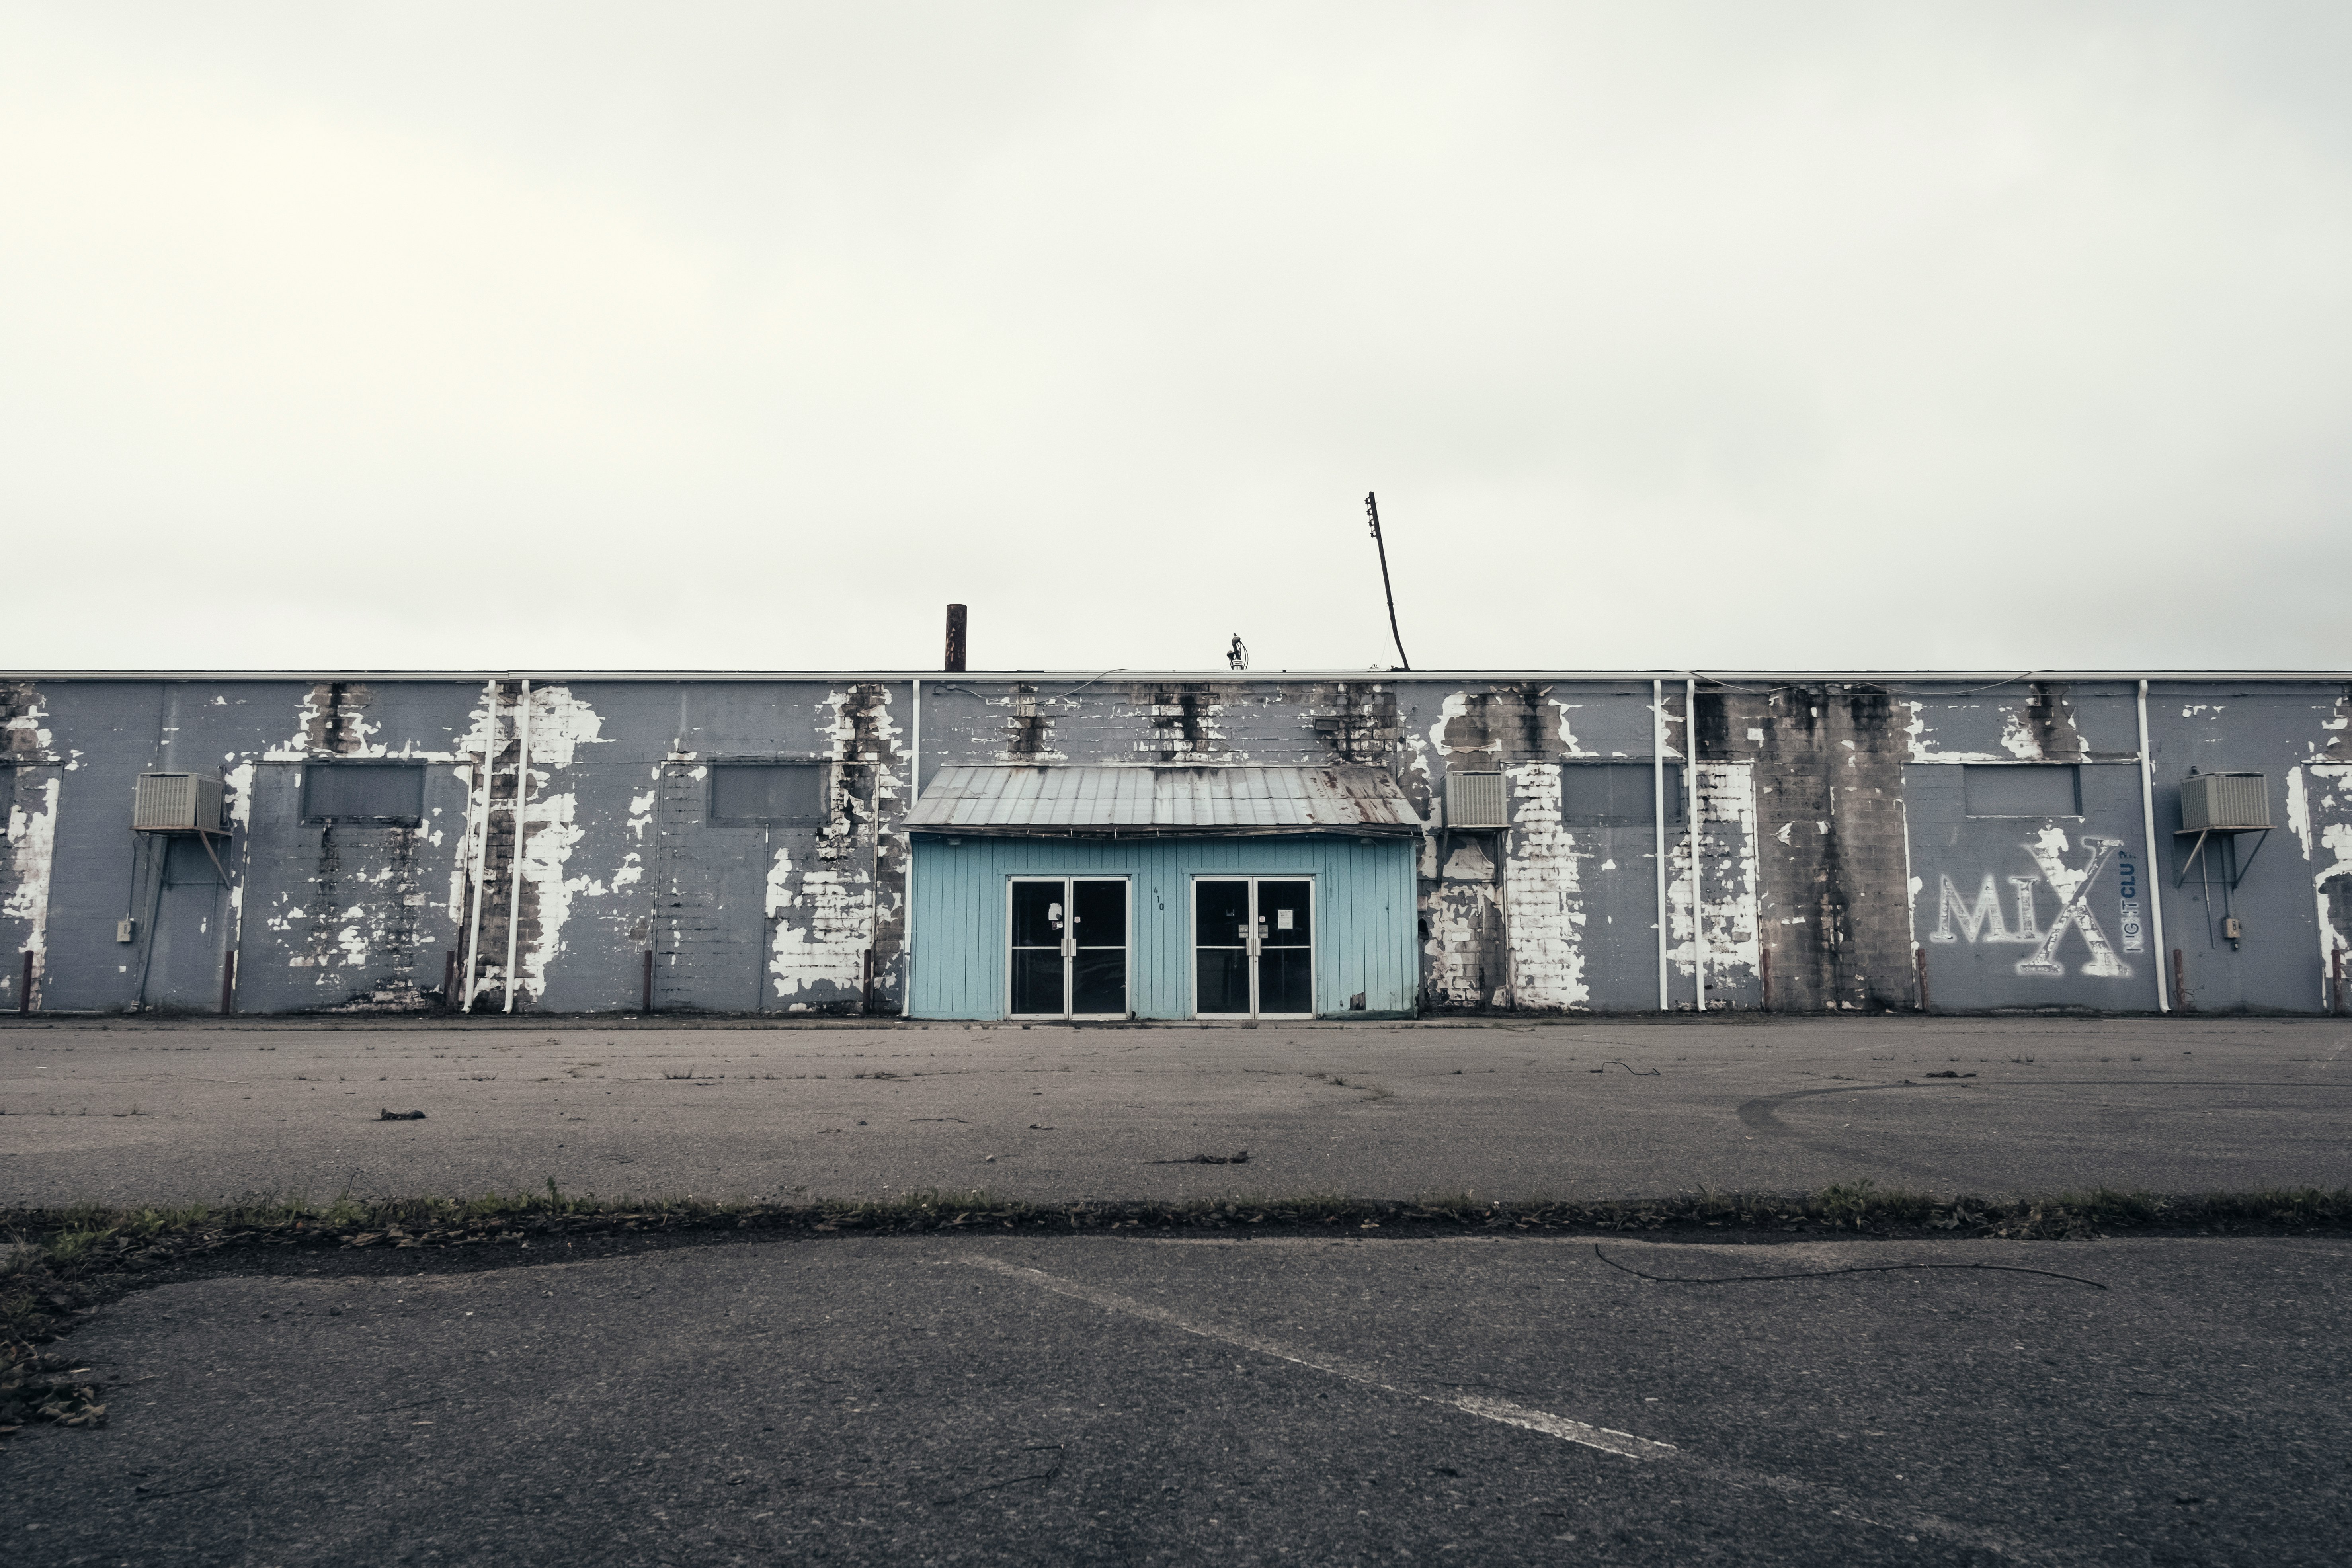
<point x="1125" y="802"/>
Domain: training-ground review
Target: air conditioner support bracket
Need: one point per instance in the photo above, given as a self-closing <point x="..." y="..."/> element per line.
<point x="202" y="837"/>
<point x="2238" y="866"/>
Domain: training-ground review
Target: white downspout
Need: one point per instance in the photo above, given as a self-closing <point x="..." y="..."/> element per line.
<point x="522" y="793"/>
<point x="1658" y="822"/>
<point x="2155" y="882"/>
<point x="907" y="926"/>
<point x="1699" y="907"/>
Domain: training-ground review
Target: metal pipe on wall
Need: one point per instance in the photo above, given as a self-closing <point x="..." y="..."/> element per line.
<point x="1699" y="907"/>
<point x="957" y="626"/>
<point x="2148" y="823"/>
<point x="1658" y="824"/>
<point x="522" y="793"/>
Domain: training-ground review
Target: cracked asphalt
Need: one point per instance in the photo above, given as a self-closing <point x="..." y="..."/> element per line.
<point x="138" y="1111"/>
<point x="928" y="1400"/>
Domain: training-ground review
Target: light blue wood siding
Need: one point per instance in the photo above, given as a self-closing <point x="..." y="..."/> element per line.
<point x="1364" y="908"/>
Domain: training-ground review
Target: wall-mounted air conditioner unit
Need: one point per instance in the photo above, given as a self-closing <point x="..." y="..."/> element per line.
<point x="177" y="803"/>
<point x="1475" y="800"/>
<point x="2217" y="803"/>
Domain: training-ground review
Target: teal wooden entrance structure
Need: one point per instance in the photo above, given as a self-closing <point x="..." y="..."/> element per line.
<point x="1366" y="937"/>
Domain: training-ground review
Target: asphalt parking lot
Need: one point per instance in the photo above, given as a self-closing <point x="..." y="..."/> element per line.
<point x="925" y="1400"/>
<point x="137" y="1112"/>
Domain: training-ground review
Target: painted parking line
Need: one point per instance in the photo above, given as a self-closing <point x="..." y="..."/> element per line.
<point x="1574" y="1431"/>
<point x="1834" y="1501"/>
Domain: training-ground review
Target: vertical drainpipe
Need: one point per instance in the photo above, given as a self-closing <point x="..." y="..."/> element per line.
<point x="907" y="924"/>
<point x="1698" y="908"/>
<point x="522" y="793"/>
<point x="2155" y="884"/>
<point x="1658" y="822"/>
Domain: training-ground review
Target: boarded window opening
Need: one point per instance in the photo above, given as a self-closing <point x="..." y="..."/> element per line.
<point x="1617" y="794"/>
<point x="2027" y="789"/>
<point x="364" y="792"/>
<point x="761" y="792"/>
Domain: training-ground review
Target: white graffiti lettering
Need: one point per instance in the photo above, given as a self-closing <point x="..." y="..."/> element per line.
<point x="1982" y="922"/>
<point x="2074" y="887"/>
<point x="2027" y="931"/>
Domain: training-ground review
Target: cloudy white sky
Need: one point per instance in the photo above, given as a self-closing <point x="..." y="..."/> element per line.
<point x="696" y="335"/>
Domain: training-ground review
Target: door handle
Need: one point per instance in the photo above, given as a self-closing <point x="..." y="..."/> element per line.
<point x="1069" y="947"/>
<point x="1255" y="947"/>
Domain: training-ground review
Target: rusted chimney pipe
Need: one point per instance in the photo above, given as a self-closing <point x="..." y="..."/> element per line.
<point x="955" y="639"/>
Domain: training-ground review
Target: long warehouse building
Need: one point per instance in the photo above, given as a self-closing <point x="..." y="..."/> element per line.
<point x="1121" y="846"/>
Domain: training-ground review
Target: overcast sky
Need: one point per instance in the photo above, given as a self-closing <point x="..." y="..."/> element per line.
<point x="701" y="336"/>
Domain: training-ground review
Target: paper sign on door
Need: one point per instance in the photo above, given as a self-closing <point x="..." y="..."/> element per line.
<point x="1282" y="919"/>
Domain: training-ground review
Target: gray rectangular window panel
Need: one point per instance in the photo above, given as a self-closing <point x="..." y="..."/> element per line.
<point x="186" y="864"/>
<point x="767" y="792"/>
<point x="2029" y="789"/>
<point x="364" y="792"/>
<point x="1616" y="795"/>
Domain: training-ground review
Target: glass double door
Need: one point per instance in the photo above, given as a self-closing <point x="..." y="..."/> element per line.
<point x="1253" y="947"/>
<point x="1069" y="947"/>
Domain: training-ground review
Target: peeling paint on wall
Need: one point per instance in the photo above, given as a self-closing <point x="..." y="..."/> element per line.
<point x="561" y="725"/>
<point x="820" y="957"/>
<point x="1727" y="866"/>
<point x="24" y="738"/>
<point x="1028" y="729"/>
<point x="32" y="855"/>
<point x="1542" y="902"/>
<point x="1353" y="721"/>
<point x="2319" y="813"/>
<point x="1181" y="723"/>
<point x="27" y="743"/>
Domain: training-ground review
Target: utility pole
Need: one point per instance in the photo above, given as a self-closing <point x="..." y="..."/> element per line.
<point x="1373" y="510"/>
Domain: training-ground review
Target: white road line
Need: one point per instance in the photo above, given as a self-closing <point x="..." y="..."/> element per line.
<point x="1509" y="1415"/>
<point x="1833" y="1500"/>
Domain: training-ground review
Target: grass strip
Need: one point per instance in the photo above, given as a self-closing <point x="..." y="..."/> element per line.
<point x="64" y="1261"/>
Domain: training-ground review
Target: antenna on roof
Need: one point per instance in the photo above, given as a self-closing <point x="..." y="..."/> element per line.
<point x="1373" y="510"/>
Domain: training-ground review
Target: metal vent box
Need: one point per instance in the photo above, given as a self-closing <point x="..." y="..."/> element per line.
<point x="2210" y="801"/>
<point x="177" y="803"/>
<point x="1475" y="800"/>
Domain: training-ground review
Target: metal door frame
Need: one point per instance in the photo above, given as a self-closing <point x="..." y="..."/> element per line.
<point x="1069" y="957"/>
<point x="1314" y="943"/>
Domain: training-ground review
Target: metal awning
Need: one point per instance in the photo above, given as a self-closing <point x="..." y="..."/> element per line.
<point x="1151" y="802"/>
